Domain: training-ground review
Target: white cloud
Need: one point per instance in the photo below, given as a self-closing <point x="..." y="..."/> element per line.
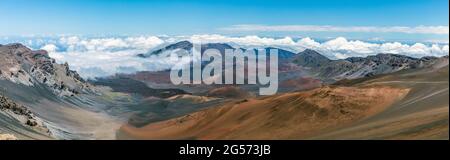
<point x="342" y="44"/>
<point x="91" y="64"/>
<point x="445" y="49"/>
<point x="246" y="41"/>
<point x="72" y="40"/>
<point x="144" y="42"/>
<point x="442" y="41"/>
<point x="107" y="44"/>
<point x="49" y="47"/>
<point x="329" y="28"/>
<point x="96" y="57"/>
<point x="93" y="57"/>
<point x="341" y="55"/>
<point x="336" y="48"/>
<point x="308" y="43"/>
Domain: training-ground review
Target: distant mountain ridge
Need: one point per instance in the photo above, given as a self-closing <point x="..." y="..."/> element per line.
<point x="357" y="67"/>
<point x="323" y="67"/>
<point x="24" y="66"/>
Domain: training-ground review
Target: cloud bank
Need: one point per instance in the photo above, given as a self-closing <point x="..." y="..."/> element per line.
<point x="328" y="28"/>
<point x="97" y="57"/>
<point x="337" y="48"/>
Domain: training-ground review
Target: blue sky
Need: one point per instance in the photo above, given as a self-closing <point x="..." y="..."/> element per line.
<point x="187" y="17"/>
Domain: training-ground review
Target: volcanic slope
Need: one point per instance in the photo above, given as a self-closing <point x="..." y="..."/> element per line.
<point x="295" y="115"/>
<point x="422" y="114"/>
<point x="410" y="104"/>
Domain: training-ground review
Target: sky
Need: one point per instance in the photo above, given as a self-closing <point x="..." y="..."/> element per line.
<point x="103" y="37"/>
<point x="362" y="19"/>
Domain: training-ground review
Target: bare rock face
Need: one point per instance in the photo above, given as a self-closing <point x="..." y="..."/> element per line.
<point x="22" y="65"/>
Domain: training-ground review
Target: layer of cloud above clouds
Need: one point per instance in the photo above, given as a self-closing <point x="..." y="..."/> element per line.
<point x="328" y="28"/>
<point x="98" y="57"/>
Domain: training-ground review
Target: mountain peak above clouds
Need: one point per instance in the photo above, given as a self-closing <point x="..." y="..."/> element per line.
<point x="319" y="64"/>
<point x="187" y="45"/>
<point x="310" y="58"/>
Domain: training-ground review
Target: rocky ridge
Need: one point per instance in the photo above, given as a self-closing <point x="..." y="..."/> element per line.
<point x="22" y="65"/>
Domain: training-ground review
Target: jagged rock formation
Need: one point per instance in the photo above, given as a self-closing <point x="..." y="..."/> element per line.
<point x="22" y="65"/>
<point x="7" y="104"/>
<point x="21" y="113"/>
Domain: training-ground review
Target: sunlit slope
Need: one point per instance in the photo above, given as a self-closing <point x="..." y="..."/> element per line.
<point x="422" y="114"/>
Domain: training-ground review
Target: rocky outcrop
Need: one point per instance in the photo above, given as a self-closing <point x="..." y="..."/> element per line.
<point x="7" y="104"/>
<point x="21" y="113"/>
<point x="22" y="65"/>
